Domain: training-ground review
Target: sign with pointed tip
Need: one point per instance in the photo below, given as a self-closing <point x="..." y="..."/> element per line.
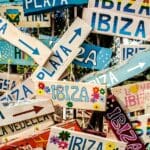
<point x="68" y="139"/>
<point x="132" y="96"/>
<point x="138" y="8"/>
<point x="36" y="6"/>
<point x="73" y="95"/>
<point x="38" y="51"/>
<point x="9" y="81"/>
<point x="25" y="128"/>
<point x="121" y="72"/>
<point x="127" y="51"/>
<point x="24" y="111"/>
<point x="117" y="24"/>
<point x="141" y="125"/>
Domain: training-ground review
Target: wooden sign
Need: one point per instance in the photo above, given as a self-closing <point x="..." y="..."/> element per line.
<point x="64" y="51"/>
<point x="35" y="6"/>
<point x="121" y="125"/>
<point x="30" y="45"/>
<point x="132" y="96"/>
<point x="117" y="24"/>
<point x="9" y="81"/>
<point x="25" y="110"/>
<point x="15" y="15"/>
<point x="127" y="51"/>
<point x="141" y="124"/>
<point x="67" y="139"/>
<point x="73" y="94"/>
<point x="25" y="128"/>
<point x="138" y="8"/>
<point x="121" y="72"/>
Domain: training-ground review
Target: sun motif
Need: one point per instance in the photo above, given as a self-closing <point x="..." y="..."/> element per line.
<point x="134" y="88"/>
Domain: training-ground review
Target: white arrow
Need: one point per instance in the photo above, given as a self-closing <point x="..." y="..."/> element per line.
<point x="140" y="65"/>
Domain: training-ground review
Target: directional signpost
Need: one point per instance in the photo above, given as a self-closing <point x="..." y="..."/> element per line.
<point x="25" y="111"/>
<point x="73" y="95"/>
<point x="121" y="72"/>
<point x="38" y="51"/>
<point x="68" y="139"/>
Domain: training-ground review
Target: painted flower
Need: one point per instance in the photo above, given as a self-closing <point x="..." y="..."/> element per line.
<point x="96" y="95"/>
<point x="69" y="104"/>
<point x="47" y="89"/>
<point x="63" y="144"/>
<point x="102" y="91"/>
<point x="96" y="106"/>
<point x="40" y="92"/>
<point x="134" y="88"/>
<point x="102" y="98"/>
<point x="41" y="85"/>
<point x="110" y="146"/>
<point x="61" y="96"/>
<point x="54" y="140"/>
<point x="64" y="135"/>
<point x="95" y="89"/>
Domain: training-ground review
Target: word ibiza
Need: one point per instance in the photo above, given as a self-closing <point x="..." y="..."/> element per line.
<point x="121" y="125"/>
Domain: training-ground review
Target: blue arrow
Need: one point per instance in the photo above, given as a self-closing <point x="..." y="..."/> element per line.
<point x="35" y="50"/>
<point x="77" y="33"/>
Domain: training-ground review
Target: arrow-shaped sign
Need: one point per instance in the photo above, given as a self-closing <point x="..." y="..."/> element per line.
<point x="35" y="109"/>
<point x="77" y="33"/>
<point x="140" y="65"/>
<point x="35" y="51"/>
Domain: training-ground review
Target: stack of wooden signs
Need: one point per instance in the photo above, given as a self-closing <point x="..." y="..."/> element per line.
<point x="30" y="109"/>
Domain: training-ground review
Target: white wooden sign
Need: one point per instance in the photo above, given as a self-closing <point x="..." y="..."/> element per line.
<point x="117" y="24"/>
<point x="25" y="110"/>
<point x="68" y="140"/>
<point x="135" y="7"/>
<point x="127" y="51"/>
<point x="15" y="15"/>
<point x="9" y="81"/>
<point x="25" y="128"/>
<point x="30" y="45"/>
<point x="74" y="94"/>
<point x="64" y="51"/>
<point x="141" y="124"/>
<point x="131" y="96"/>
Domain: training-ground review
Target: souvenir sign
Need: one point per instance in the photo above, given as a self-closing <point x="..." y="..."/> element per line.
<point x="121" y="125"/>
<point x="15" y="15"/>
<point x="38" y="140"/>
<point x="64" y="51"/>
<point x="25" y="128"/>
<point x="117" y="24"/>
<point x="121" y="72"/>
<point x="23" y="111"/>
<point x="38" y="51"/>
<point x="9" y="81"/>
<point x="22" y="91"/>
<point x="93" y="57"/>
<point x="141" y="124"/>
<point x="127" y="51"/>
<point x="67" y="139"/>
<point x="36" y="6"/>
<point x="73" y="94"/>
<point x="138" y="8"/>
<point x="132" y="96"/>
<point x="12" y="55"/>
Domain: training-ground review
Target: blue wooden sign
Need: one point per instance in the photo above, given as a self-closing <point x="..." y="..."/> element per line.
<point x="39" y="6"/>
<point x="121" y="72"/>
<point x="12" y="55"/>
<point x="93" y="57"/>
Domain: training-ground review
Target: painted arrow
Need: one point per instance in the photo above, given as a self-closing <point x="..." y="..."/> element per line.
<point x="77" y="33"/>
<point x="35" y="109"/>
<point x="140" y="65"/>
<point x="35" y="50"/>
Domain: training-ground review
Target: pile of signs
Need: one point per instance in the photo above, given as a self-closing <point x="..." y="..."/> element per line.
<point x="27" y="109"/>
